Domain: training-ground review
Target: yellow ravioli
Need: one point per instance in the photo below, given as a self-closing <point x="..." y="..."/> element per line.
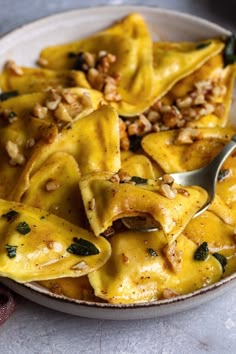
<point x="73" y="288"/>
<point x="37" y="79"/>
<point x="17" y="136"/>
<point x="173" y="156"/>
<point x="173" y="61"/>
<point x="93" y="141"/>
<point x="129" y="40"/>
<point x="106" y="201"/>
<point x="42" y="253"/>
<point x="55" y="188"/>
<point x="213" y="70"/>
<point x="133" y="275"/>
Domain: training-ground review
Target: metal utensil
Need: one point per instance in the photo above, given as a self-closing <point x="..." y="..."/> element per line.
<point x="205" y="177"/>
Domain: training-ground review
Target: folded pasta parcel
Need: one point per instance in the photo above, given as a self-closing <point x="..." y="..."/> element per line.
<point x="106" y="200"/>
<point x="36" y="245"/>
<point x="29" y="80"/>
<point x="137" y="272"/>
<point x="189" y="148"/>
<point x="116" y="61"/>
<point x="175" y="60"/>
<point x="201" y="99"/>
<point x="93" y="141"/>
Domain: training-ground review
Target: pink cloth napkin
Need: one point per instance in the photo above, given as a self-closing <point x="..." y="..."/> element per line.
<point x="7" y="304"/>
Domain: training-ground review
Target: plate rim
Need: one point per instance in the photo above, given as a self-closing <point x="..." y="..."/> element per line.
<point x="108" y="306"/>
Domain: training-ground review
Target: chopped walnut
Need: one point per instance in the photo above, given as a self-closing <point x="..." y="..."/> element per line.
<point x="167" y="179"/>
<point x="13" y="151"/>
<point x="183" y="191"/>
<point x="115" y="178"/>
<point x="14" y="68"/>
<point x="69" y="97"/>
<point x="30" y="143"/>
<point x="140" y="126"/>
<point x="53" y="100"/>
<point x="85" y="100"/>
<point x="42" y="62"/>
<point x="169" y="293"/>
<point x="80" y="266"/>
<point x="124" y="140"/>
<point x="40" y="111"/>
<point x="124" y="176"/>
<point x="205" y="98"/>
<point x="187" y="136"/>
<point x="62" y="114"/>
<point x="110" y="89"/>
<point x="168" y="191"/>
<point x="173" y="255"/>
<point x="52" y="185"/>
<point x="96" y="68"/>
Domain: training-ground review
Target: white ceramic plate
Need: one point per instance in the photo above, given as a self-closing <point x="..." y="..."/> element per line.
<point x="23" y="45"/>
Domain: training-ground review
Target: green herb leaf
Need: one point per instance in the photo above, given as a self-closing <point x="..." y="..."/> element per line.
<point x="5" y="95"/>
<point x="71" y="55"/>
<point x="202" y="252"/>
<point x="222" y="175"/>
<point x="222" y="259"/>
<point x="12" y="114"/>
<point x="11" y="250"/>
<point x="82" y="247"/>
<point x="135" y="142"/>
<point x="230" y="50"/>
<point x="202" y="45"/>
<point x="10" y="215"/>
<point x="138" y="180"/>
<point x="152" y="252"/>
<point x="23" y="228"/>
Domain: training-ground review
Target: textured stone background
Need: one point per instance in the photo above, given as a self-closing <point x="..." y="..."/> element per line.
<point x="211" y="328"/>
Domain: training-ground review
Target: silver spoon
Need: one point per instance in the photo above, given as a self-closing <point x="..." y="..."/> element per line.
<point x="205" y="177"/>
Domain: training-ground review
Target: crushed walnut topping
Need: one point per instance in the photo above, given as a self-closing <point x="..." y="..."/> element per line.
<point x="62" y="114"/>
<point x="16" y="158"/>
<point x="167" y="188"/>
<point x="167" y="191"/>
<point x="173" y="256"/>
<point x="124" y="176"/>
<point x="52" y="185"/>
<point x="115" y="178"/>
<point x="30" y="143"/>
<point x="80" y="266"/>
<point x="42" y="62"/>
<point x="63" y="106"/>
<point x="53" y="100"/>
<point x="40" y="111"/>
<point x="169" y="293"/>
<point x="14" y="68"/>
<point x="187" y="136"/>
<point x="124" y="139"/>
<point x="205" y="98"/>
<point x="97" y="70"/>
<point x="183" y="192"/>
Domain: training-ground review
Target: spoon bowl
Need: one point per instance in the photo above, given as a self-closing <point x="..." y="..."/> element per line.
<point x="205" y="177"/>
